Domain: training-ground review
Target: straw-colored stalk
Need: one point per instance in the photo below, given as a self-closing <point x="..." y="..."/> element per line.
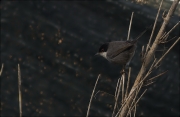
<point x="19" y="90"/>
<point x="92" y="96"/>
<point x="1" y="69"/>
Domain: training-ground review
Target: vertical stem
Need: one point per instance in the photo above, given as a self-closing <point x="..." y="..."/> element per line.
<point x="1" y="69"/>
<point x="19" y="89"/>
<point x="130" y="25"/>
<point x="92" y="96"/>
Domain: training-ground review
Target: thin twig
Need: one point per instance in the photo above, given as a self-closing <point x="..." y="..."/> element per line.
<point x="157" y="76"/>
<point x="102" y="92"/>
<point x="135" y="87"/>
<point x="148" y="45"/>
<point x="19" y="89"/>
<point x="116" y="97"/>
<point x="134" y="110"/>
<point x="148" y="84"/>
<point x="139" y="98"/>
<point x="171" y="30"/>
<point x="150" y="69"/>
<point x="123" y="79"/>
<point x="1" y="69"/>
<point x="130" y="25"/>
<point x="142" y="53"/>
<point x="167" y="52"/>
<point x="129" y="74"/>
<point x="92" y="95"/>
<point x="169" y="40"/>
<point x="117" y="85"/>
<point x="134" y="99"/>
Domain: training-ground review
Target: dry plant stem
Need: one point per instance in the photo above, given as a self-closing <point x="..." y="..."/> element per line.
<point x="157" y="76"/>
<point x="134" y="111"/>
<point x="19" y="89"/>
<point x="1" y="69"/>
<point x="123" y="78"/>
<point x="171" y="30"/>
<point x="117" y="87"/>
<point x="167" y="52"/>
<point x="154" y="27"/>
<point x="92" y="95"/>
<point x="129" y="74"/>
<point x="142" y="53"/>
<point x="150" y="69"/>
<point x="116" y="97"/>
<point x="130" y="26"/>
<point x="149" y="57"/>
<point x="128" y="98"/>
<point x="133" y="102"/>
<point x="139" y="98"/>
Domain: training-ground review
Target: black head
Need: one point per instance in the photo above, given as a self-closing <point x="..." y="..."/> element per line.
<point x="104" y="48"/>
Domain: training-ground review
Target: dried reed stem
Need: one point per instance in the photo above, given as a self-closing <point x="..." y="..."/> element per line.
<point x="123" y="80"/>
<point x="92" y="95"/>
<point x="1" y="69"/>
<point x="19" y="89"/>
<point x="152" y="33"/>
<point x="171" y="30"/>
<point x="130" y="26"/>
<point x="127" y="87"/>
<point x="116" y="96"/>
<point x="167" y="52"/>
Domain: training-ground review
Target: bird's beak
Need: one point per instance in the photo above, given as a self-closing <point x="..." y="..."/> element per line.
<point x="96" y="54"/>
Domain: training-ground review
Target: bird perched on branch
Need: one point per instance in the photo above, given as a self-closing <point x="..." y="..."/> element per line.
<point x="119" y="52"/>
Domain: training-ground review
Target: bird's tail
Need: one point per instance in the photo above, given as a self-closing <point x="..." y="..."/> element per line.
<point x="135" y="40"/>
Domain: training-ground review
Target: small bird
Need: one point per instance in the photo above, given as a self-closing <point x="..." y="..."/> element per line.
<point x="118" y="52"/>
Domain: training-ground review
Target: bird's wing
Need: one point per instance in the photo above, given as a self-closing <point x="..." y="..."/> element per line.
<point x="118" y="48"/>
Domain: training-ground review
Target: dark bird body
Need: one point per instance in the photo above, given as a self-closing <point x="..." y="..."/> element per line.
<point x="118" y="52"/>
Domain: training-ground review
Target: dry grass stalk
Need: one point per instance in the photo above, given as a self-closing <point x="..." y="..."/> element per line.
<point x="127" y="86"/>
<point x="156" y="76"/>
<point x="166" y="52"/>
<point x="1" y="69"/>
<point x="116" y="96"/>
<point x="123" y="81"/>
<point x="134" y="106"/>
<point x="147" y="59"/>
<point x="92" y="95"/>
<point x="152" y="33"/>
<point x="130" y="25"/>
<point x="19" y="89"/>
<point x="167" y="34"/>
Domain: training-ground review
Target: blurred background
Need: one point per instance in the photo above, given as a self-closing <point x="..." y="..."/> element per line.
<point x="55" y="42"/>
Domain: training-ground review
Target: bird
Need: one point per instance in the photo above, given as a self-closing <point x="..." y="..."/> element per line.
<point x="119" y="52"/>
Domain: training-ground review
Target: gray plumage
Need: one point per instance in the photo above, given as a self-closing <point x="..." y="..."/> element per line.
<point x="118" y="52"/>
